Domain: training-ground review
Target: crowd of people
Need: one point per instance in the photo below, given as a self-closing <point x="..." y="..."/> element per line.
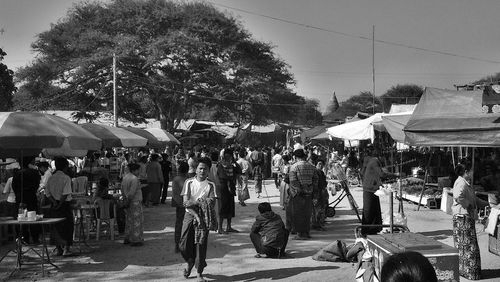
<point x="206" y="184"/>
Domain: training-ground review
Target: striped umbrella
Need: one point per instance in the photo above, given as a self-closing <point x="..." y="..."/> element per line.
<point x="115" y="136"/>
<point x="153" y="142"/>
<point x="163" y="135"/>
<point x="30" y="132"/>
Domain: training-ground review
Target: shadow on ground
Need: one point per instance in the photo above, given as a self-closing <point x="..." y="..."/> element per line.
<point x="273" y="274"/>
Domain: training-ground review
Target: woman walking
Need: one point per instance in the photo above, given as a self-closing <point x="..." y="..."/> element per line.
<point x="199" y="200"/>
<point x="155" y="179"/>
<point x="131" y="188"/>
<point x="464" y="209"/>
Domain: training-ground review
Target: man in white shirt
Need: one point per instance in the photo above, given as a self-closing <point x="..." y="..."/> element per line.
<point x="46" y="173"/>
<point x="58" y="191"/>
<point x="242" y="179"/>
<point x="276" y="164"/>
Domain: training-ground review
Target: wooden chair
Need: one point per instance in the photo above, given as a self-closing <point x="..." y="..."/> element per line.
<point x="103" y="215"/>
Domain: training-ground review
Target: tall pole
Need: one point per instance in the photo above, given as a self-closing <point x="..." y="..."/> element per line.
<point x="115" y="116"/>
<point x="373" y="66"/>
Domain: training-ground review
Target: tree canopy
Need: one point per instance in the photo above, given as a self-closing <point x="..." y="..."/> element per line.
<point x="401" y="94"/>
<point x="7" y="87"/>
<point x="173" y="59"/>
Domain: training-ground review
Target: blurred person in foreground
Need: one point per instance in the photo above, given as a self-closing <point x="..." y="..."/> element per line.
<point x="408" y="267"/>
<point x="268" y="234"/>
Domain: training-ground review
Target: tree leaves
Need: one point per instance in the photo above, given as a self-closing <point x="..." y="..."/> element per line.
<point x="171" y="57"/>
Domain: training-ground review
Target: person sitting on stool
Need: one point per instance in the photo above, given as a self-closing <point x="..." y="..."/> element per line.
<point x="268" y="233"/>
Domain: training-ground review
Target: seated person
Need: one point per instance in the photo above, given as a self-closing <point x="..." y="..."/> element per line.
<point x="102" y="190"/>
<point x="101" y="193"/>
<point x="268" y="233"/>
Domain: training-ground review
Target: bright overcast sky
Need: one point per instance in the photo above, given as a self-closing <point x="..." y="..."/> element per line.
<point x="330" y="55"/>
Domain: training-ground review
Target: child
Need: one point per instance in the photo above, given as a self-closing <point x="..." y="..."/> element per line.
<point x="257" y="176"/>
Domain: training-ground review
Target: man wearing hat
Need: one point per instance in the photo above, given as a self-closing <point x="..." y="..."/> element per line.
<point x="303" y="182"/>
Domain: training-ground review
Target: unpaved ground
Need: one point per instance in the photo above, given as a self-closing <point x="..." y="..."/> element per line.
<point x="230" y="257"/>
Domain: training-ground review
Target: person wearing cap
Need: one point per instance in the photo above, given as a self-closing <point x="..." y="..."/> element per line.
<point x="303" y="183"/>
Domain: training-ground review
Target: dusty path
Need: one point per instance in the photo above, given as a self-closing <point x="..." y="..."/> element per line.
<point x="230" y="257"/>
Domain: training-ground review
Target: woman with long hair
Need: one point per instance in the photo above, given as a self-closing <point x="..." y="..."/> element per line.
<point x="465" y="204"/>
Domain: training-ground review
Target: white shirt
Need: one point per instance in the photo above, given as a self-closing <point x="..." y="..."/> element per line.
<point x="45" y="178"/>
<point x="59" y="184"/>
<point x="11" y="198"/>
<point x="198" y="189"/>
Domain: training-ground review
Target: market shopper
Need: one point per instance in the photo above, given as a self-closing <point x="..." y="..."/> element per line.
<point x="199" y="200"/>
<point x="166" y="168"/>
<point x="276" y="164"/>
<point x="58" y="191"/>
<point x="372" y="179"/>
<point x="131" y="189"/>
<point x="177" y="202"/>
<point x="320" y="199"/>
<point x="226" y="177"/>
<point x="155" y="179"/>
<point x="242" y="179"/>
<point x="465" y="205"/>
<point x="303" y="182"/>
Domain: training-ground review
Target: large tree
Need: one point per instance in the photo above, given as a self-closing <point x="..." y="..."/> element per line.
<point x="401" y="94"/>
<point x="7" y="87"/>
<point x="173" y="59"/>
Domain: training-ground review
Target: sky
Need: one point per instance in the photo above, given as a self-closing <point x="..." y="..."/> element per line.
<point x="327" y="43"/>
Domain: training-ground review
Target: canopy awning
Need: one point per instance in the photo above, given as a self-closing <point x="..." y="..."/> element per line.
<point x="356" y="130"/>
<point x="452" y="118"/>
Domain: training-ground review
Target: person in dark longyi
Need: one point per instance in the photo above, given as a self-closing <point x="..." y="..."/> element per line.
<point x="25" y="183"/>
<point x="268" y="234"/>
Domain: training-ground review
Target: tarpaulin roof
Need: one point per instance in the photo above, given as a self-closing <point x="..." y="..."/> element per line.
<point x="394" y="124"/>
<point x="402" y="108"/>
<point x="356" y="130"/>
<point x="452" y="118"/>
<point x="262" y="128"/>
<point x="313" y="132"/>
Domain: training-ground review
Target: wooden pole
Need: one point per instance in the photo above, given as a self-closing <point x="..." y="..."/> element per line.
<point x="425" y="180"/>
<point x="115" y="116"/>
<point x="373" y="67"/>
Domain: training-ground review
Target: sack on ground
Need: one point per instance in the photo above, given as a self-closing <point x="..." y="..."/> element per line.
<point x="334" y="252"/>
